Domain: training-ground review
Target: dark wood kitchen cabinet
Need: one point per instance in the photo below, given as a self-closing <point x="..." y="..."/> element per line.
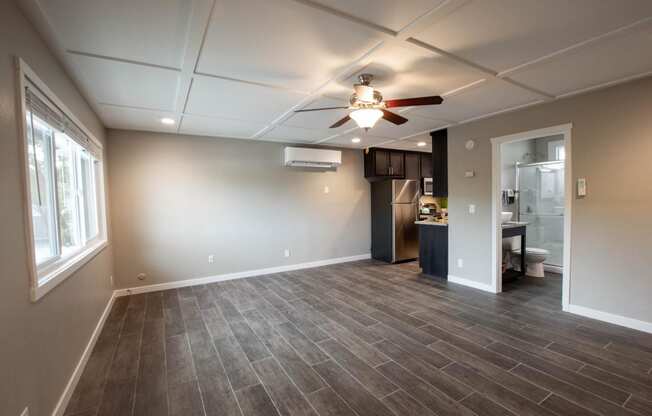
<point x="425" y="160"/>
<point x="440" y="163"/>
<point x="384" y="164"/>
<point x="413" y="165"/>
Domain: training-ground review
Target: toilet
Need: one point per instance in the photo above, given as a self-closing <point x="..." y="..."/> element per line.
<point x="534" y="258"/>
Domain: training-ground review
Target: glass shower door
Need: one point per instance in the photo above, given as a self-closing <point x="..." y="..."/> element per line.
<point x="541" y="187"/>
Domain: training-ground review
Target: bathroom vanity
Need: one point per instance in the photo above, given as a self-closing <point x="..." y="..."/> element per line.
<point x="515" y="229"/>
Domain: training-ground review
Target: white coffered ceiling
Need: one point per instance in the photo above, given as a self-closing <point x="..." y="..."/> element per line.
<point x="239" y="68"/>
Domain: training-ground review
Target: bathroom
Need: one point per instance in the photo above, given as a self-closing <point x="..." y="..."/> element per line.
<point x="532" y="180"/>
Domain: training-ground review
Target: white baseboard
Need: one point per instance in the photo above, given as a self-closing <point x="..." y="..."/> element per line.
<point x="237" y="275"/>
<point x="611" y="318"/>
<point x="471" y="283"/>
<point x="553" y="268"/>
<point x="81" y="364"/>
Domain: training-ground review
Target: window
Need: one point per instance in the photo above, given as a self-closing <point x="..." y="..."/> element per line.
<point x="65" y="187"/>
<point x="556" y="150"/>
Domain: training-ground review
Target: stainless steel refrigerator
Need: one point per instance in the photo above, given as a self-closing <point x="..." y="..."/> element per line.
<point x="394" y="208"/>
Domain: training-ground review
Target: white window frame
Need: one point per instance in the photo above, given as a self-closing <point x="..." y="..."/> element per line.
<point x="53" y="272"/>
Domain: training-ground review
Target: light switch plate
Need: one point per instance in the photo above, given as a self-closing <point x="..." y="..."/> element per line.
<point x="472" y="209"/>
<point x="469" y="174"/>
<point x="581" y="187"/>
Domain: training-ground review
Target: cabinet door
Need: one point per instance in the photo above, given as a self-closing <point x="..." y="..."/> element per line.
<point x="413" y="166"/>
<point x="397" y="163"/>
<point x="381" y="162"/>
<point x="426" y="165"/>
<point x="440" y="163"/>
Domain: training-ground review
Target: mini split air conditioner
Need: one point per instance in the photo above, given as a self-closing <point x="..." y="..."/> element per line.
<point x="312" y="158"/>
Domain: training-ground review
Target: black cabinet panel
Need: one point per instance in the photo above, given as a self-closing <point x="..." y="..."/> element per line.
<point x="440" y="163"/>
<point x="426" y="165"/>
<point x="381" y="163"/>
<point x="433" y="250"/>
<point x="413" y="166"/>
<point x="397" y="163"/>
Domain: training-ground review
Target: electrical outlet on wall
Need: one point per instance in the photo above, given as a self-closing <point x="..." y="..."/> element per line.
<point x="472" y="209"/>
<point x="286" y="252"/>
<point x="211" y="258"/>
<point x="141" y="276"/>
<point x="326" y="189"/>
<point x="460" y="263"/>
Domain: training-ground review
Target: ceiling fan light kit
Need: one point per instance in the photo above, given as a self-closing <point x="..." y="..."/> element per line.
<point x="367" y="105"/>
<point x="366" y="118"/>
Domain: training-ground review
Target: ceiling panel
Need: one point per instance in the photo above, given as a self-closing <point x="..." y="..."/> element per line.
<point x="390" y="14"/>
<point x="296" y="134"/>
<point x="120" y="83"/>
<point x="135" y="119"/>
<point x="415" y="124"/>
<point x="281" y="42"/>
<point x="501" y="34"/>
<point x="238" y="100"/>
<point x="151" y="31"/>
<point x="366" y="140"/>
<point x="625" y="55"/>
<point x="413" y="143"/>
<point x="218" y="127"/>
<point x="404" y="71"/>
<point x="484" y="98"/>
<point x="320" y="119"/>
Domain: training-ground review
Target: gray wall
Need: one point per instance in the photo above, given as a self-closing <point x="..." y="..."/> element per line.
<point x="177" y="199"/>
<point x="41" y="342"/>
<point x="611" y="236"/>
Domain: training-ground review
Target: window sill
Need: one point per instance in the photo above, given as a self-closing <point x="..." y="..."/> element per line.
<point x="65" y="270"/>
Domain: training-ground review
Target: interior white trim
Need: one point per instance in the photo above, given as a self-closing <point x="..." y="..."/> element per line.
<point x="496" y="205"/>
<point x="471" y="283"/>
<point x="60" y="408"/>
<point x="611" y="318"/>
<point x="238" y="275"/>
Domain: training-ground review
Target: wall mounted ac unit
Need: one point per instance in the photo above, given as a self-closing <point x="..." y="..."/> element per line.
<point x="312" y="158"/>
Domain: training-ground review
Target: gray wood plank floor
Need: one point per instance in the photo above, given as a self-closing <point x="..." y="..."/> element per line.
<point x="363" y="338"/>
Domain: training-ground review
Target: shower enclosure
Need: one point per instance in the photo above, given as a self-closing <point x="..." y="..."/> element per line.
<point x="540" y="202"/>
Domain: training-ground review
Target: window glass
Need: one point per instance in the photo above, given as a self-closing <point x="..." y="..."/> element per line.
<point x="88" y="195"/>
<point x="39" y="153"/>
<point x="67" y="194"/>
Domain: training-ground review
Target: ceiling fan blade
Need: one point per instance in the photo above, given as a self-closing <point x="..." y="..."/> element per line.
<point x="340" y="122"/>
<point x="319" y="109"/>
<point x="409" y="102"/>
<point x="393" y="117"/>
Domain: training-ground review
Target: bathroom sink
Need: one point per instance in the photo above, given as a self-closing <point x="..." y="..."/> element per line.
<point x="506" y="216"/>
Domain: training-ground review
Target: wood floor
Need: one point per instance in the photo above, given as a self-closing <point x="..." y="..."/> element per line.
<point x="361" y="338"/>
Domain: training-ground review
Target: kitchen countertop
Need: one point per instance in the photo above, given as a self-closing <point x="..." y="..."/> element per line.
<point x="513" y="224"/>
<point x="430" y="222"/>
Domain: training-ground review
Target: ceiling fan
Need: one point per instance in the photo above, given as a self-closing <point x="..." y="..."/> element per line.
<point x="368" y="106"/>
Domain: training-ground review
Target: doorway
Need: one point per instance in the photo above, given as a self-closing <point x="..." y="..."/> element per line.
<point x="532" y="185"/>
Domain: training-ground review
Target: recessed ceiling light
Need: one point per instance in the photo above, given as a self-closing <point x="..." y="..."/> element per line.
<point x="355" y="140"/>
<point x="421" y="144"/>
<point x="168" y="121"/>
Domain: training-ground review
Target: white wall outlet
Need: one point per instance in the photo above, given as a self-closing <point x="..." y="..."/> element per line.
<point x="460" y="263"/>
<point x="286" y="252"/>
<point x="326" y="190"/>
<point x="469" y="174"/>
<point x="141" y="276"/>
<point x="25" y="412"/>
<point x="472" y="209"/>
<point x="211" y="258"/>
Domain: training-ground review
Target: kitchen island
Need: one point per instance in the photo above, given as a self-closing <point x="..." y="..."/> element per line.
<point x="433" y="248"/>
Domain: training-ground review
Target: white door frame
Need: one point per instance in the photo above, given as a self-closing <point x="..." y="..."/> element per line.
<point x="496" y="203"/>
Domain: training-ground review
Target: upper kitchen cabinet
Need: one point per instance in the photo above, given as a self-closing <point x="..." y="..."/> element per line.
<point x="425" y="161"/>
<point x="413" y="165"/>
<point x="384" y="164"/>
<point x="440" y="163"/>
